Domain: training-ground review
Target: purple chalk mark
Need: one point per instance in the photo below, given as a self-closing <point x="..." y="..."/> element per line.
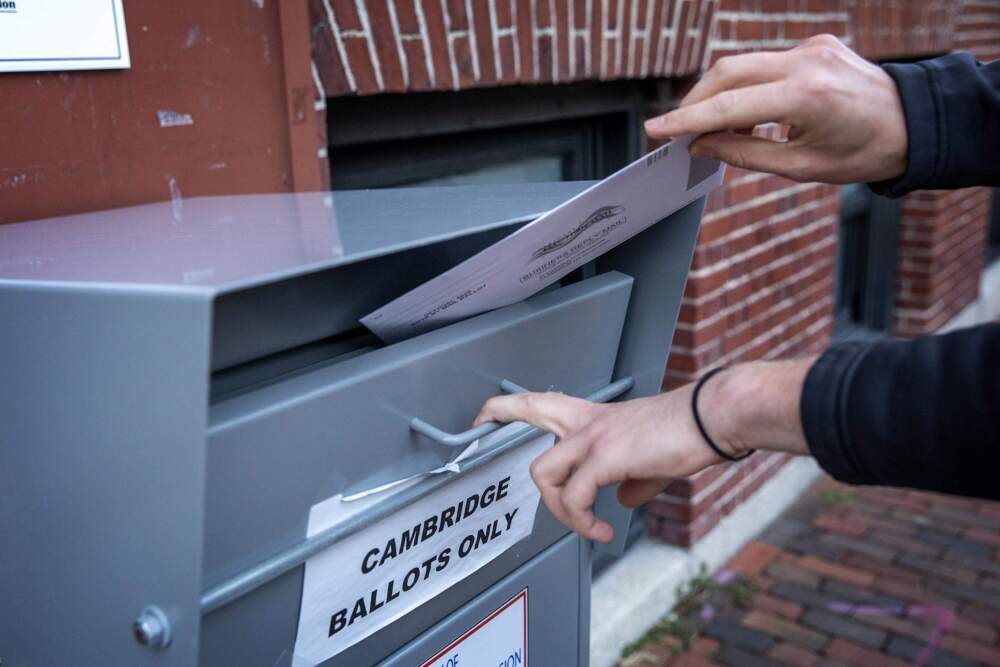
<point x="849" y="608"/>
<point x="944" y="619"/>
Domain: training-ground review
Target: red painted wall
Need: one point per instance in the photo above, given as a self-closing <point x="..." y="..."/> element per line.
<point x="80" y="141"/>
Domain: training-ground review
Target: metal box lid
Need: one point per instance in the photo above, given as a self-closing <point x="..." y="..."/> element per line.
<point x="227" y="243"/>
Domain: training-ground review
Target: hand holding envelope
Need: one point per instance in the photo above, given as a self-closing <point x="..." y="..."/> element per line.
<point x="567" y="237"/>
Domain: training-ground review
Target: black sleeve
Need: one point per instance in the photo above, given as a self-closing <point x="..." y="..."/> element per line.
<point x="922" y="413"/>
<point x="952" y="109"/>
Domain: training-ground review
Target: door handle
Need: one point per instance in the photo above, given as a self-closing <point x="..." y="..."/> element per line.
<point x="603" y="395"/>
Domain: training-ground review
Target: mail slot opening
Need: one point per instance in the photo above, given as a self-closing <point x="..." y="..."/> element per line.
<point x="246" y="376"/>
<point x="292" y="328"/>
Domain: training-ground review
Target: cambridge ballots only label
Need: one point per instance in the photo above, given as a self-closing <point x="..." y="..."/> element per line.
<point x="378" y="574"/>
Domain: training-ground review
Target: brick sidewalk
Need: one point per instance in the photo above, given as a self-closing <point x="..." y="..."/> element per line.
<point x="847" y="576"/>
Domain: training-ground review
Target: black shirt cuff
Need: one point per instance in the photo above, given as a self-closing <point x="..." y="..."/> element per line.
<point x="824" y="395"/>
<point x="922" y="131"/>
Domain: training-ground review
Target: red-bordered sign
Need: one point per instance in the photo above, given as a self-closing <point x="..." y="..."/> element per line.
<point x="522" y="599"/>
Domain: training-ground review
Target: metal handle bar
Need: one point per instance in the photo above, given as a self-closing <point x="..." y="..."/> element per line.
<point x="465" y="437"/>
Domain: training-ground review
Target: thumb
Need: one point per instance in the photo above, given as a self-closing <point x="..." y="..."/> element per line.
<point x="549" y="411"/>
<point x="748" y="152"/>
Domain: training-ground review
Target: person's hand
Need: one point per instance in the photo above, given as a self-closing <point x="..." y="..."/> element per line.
<point x="645" y="442"/>
<point x="844" y="114"/>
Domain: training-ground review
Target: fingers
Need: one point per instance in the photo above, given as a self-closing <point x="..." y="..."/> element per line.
<point x="551" y="470"/>
<point x="556" y="413"/>
<point x="747" y="152"/>
<point x="635" y="492"/>
<point x="738" y="72"/>
<point x="729" y="109"/>
<point x="568" y="477"/>
<point x="578" y="499"/>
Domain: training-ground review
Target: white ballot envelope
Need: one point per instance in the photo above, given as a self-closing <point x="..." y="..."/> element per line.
<point x="543" y="251"/>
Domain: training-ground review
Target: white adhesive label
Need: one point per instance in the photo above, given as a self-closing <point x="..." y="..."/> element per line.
<point x="381" y="573"/>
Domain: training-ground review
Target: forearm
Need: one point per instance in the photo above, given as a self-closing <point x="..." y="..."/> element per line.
<point x="923" y="413"/>
<point x="756" y="406"/>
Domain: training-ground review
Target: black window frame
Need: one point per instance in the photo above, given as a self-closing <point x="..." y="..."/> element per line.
<point x="394" y="140"/>
<point x="867" y="252"/>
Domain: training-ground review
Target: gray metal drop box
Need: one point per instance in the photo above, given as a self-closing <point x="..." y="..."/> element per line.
<point x="183" y="381"/>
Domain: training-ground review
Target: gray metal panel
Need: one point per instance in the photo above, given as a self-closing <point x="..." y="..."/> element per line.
<point x="556" y="586"/>
<point x="102" y="429"/>
<point x="658" y="259"/>
<point x="275" y="452"/>
<point x="585" y="555"/>
<point x="300" y="310"/>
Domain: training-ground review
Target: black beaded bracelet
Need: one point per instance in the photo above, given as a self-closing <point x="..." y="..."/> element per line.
<point x="701" y="427"/>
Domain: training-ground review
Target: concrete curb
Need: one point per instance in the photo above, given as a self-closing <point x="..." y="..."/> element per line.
<point x="635" y="592"/>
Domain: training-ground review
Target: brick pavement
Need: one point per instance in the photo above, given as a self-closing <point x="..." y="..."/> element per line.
<point x="847" y="576"/>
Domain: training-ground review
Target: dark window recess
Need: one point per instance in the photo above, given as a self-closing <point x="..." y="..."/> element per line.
<point x="866" y="264"/>
<point x="504" y="135"/>
<point x="867" y="248"/>
<point x="561" y="151"/>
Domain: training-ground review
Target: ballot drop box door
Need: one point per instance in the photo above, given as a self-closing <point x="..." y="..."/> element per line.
<point x="206" y="460"/>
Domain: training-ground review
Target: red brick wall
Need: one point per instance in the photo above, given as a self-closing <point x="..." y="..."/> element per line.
<point x="884" y="30"/>
<point x="691" y="507"/>
<point x="942" y="234"/>
<point x="978" y="29"/>
<point x="375" y="46"/>
<point x="941" y="240"/>
<point x="761" y="284"/>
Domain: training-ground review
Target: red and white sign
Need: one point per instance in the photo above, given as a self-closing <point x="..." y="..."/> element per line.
<point x="500" y="639"/>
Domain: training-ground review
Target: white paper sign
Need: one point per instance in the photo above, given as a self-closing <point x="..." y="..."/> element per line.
<point x="567" y="237"/>
<point x="499" y="639"/>
<point x="379" y="574"/>
<point x="55" y="35"/>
